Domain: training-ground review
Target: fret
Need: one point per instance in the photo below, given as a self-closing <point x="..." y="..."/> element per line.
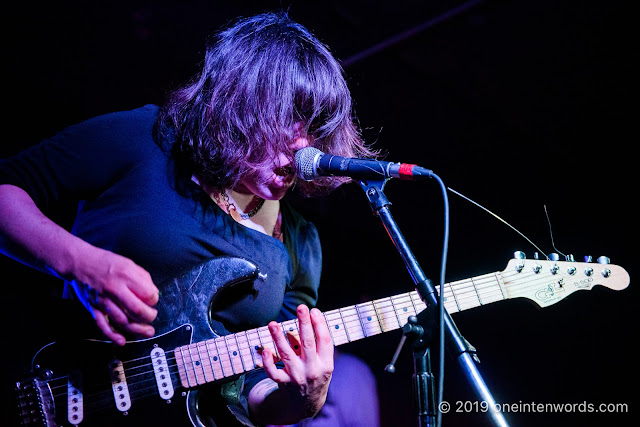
<point x="267" y="341"/>
<point x="182" y="368"/>
<point x="191" y="373"/>
<point x="291" y="331"/>
<point x="413" y="304"/>
<point x="226" y="356"/>
<point x="359" y="316"/>
<point x="255" y="344"/>
<point x="214" y="355"/>
<point x="368" y="314"/>
<point x="498" y="277"/>
<point x="403" y="308"/>
<point x="417" y="301"/>
<point x="395" y="311"/>
<point x="379" y="311"/>
<point x="259" y="338"/>
<point x="234" y="354"/>
<point x="336" y="327"/>
<point x="245" y="350"/>
<point x="450" y="302"/>
<point x="353" y="323"/>
<point x="489" y="288"/>
<point x="465" y="295"/>
<point x="387" y="314"/>
<point x="205" y="362"/>
<point x="290" y="327"/>
<point x="346" y="329"/>
<point x="453" y="295"/>
<point x="211" y="361"/>
<point x="476" y="291"/>
<point x="223" y="356"/>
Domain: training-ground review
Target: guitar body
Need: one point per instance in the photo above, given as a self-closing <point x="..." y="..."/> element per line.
<point x="95" y="383"/>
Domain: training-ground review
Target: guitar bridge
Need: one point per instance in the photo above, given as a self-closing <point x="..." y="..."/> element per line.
<point x="35" y="403"/>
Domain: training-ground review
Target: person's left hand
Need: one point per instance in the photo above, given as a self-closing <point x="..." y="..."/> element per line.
<point x="306" y="376"/>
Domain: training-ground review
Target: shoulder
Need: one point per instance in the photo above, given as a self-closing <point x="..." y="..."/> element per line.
<point x="117" y="134"/>
<point x="136" y="120"/>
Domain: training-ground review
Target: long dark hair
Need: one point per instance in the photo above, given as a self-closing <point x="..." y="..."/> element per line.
<point x="259" y="77"/>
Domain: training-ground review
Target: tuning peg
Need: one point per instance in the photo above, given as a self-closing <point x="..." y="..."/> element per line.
<point x="603" y="260"/>
<point x="587" y="258"/>
<point x="569" y="258"/>
<point x="554" y="256"/>
<point x="519" y="255"/>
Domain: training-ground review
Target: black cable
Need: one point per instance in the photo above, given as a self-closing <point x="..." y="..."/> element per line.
<point x="443" y="268"/>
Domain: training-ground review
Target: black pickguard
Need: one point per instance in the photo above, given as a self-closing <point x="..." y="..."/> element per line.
<point x="184" y="316"/>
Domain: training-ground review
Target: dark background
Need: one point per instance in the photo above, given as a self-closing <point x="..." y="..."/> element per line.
<point x="516" y="104"/>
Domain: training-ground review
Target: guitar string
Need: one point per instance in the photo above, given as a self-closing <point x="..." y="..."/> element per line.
<point x="378" y="306"/>
<point x="131" y="379"/>
<point x="384" y="312"/>
<point x="498" y="218"/>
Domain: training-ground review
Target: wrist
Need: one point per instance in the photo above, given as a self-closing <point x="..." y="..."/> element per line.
<point x="281" y="404"/>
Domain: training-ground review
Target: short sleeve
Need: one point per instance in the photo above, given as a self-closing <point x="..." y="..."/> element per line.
<point x="83" y="159"/>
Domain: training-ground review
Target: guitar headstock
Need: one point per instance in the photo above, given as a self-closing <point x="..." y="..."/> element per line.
<point x="549" y="281"/>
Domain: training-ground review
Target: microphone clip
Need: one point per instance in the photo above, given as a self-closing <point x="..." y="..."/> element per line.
<point x="373" y="190"/>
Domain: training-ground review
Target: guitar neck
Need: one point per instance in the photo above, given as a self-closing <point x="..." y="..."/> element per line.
<point x="225" y="356"/>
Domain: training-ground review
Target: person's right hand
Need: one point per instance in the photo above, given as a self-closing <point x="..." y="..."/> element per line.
<point x="118" y="293"/>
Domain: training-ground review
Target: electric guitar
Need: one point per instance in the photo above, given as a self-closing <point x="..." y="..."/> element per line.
<point x="92" y="382"/>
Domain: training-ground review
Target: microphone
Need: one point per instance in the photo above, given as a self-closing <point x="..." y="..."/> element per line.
<point x="312" y="163"/>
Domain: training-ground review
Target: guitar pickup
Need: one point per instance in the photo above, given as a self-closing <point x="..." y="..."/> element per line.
<point x="161" y="371"/>
<point x="119" y="386"/>
<point x="75" y="401"/>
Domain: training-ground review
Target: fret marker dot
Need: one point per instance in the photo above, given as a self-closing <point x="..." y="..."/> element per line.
<point x="291" y="328"/>
<point x="337" y="326"/>
<point x="257" y="347"/>
<point x="197" y="363"/>
<point x="235" y="353"/>
<point x="369" y="318"/>
<point x="404" y="309"/>
<point x="215" y="358"/>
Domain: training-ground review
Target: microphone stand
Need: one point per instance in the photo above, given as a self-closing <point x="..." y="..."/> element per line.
<point x="456" y="345"/>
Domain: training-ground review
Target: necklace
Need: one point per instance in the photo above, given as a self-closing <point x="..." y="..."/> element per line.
<point x="232" y="207"/>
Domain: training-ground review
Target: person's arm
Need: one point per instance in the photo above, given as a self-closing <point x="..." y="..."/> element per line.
<point x="300" y="389"/>
<point x="106" y="283"/>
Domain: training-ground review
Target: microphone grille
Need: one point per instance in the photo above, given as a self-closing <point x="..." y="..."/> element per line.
<point x="306" y="163"/>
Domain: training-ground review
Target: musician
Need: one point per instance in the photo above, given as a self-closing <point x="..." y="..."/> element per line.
<point x="162" y="189"/>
